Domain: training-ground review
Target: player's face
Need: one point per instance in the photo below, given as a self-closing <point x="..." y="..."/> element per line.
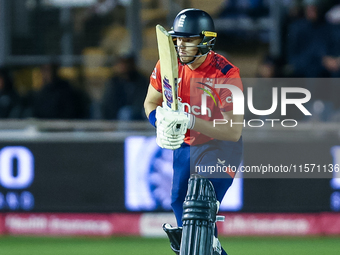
<point x="187" y="48"/>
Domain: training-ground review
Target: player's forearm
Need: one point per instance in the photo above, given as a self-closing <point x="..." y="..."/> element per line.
<point x="149" y="107"/>
<point x="224" y="132"/>
<point x="152" y="100"/>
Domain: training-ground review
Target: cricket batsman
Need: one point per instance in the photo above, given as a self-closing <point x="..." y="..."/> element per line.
<point x="192" y="135"/>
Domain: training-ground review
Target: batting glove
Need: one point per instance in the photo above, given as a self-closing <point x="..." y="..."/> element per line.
<point x="169" y="142"/>
<point x="174" y="122"/>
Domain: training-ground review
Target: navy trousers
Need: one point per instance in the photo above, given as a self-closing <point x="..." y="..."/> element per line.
<point x="187" y="159"/>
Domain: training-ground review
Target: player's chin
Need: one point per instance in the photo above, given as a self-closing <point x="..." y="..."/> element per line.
<point x="186" y="59"/>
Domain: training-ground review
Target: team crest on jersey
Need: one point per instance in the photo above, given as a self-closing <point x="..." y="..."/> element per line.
<point x="209" y="84"/>
<point x="181" y="20"/>
<point x="154" y="73"/>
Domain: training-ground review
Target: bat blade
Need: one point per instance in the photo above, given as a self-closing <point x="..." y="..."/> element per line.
<point x="169" y="67"/>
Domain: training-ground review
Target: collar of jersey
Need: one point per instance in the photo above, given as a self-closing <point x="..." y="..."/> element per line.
<point x="204" y="64"/>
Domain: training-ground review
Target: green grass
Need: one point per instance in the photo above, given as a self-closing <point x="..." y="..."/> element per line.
<point x="158" y="246"/>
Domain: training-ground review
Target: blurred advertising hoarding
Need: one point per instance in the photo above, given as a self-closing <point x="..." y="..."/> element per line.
<point x="149" y="224"/>
<point x="133" y="174"/>
<point x="148" y="178"/>
<point x="61" y="177"/>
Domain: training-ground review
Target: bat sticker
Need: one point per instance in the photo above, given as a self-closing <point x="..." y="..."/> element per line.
<point x="167" y="91"/>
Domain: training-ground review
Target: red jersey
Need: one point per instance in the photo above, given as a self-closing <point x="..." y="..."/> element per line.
<point x="216" y="69"/>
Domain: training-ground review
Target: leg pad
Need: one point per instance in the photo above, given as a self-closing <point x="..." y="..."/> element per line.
<point x="199" y="216"/>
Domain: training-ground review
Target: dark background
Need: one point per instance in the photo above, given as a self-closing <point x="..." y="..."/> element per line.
<point x="89" y="177"/>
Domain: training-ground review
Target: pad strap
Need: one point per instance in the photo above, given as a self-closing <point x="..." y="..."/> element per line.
<point x="174" y="235"/>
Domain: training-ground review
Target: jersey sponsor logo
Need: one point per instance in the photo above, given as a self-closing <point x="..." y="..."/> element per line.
<point x="221" y="162"/>
<point x="195" y="109"/>
<point x="229" y="99"/>
<point x="181" y="20"/>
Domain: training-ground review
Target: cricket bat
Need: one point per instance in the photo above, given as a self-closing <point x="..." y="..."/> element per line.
<point x="169" y="67"/>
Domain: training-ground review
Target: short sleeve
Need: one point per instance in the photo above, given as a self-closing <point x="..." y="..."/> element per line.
<point x="231" y="78"/>
<point x="155" y="78"/>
